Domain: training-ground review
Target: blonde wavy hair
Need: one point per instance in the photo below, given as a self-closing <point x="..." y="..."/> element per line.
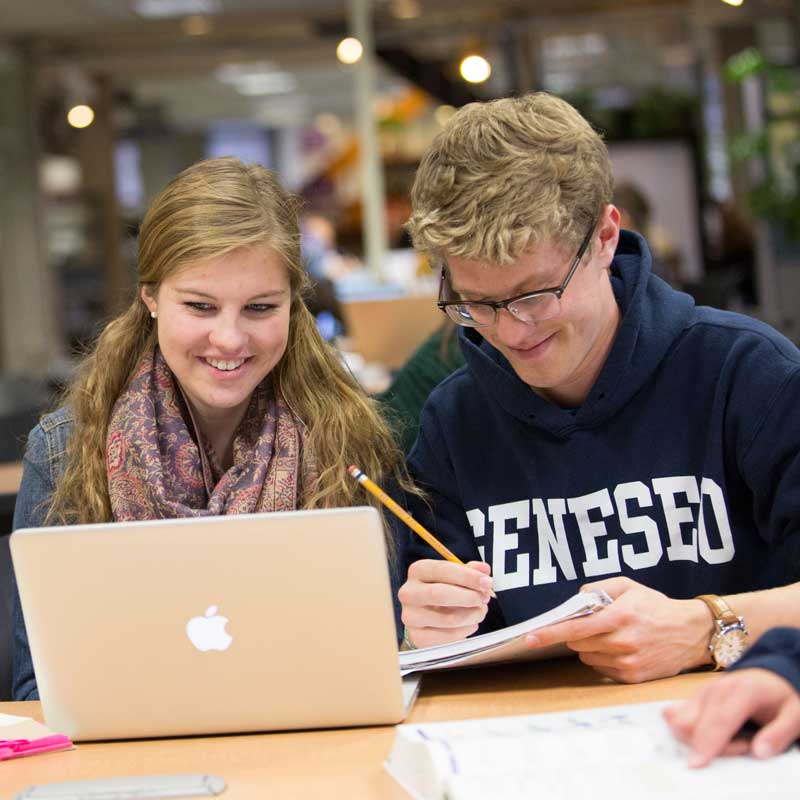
<point x="504" y="176"/>
<point x="213" y="208"/>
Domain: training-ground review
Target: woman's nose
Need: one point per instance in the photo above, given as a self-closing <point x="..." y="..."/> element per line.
<point x="227" y="334"/>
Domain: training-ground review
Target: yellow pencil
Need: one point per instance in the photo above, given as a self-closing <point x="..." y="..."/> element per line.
<point x="402" y="514"/>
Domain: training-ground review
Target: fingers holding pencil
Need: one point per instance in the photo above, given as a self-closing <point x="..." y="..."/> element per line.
<point x="443" y="601"/>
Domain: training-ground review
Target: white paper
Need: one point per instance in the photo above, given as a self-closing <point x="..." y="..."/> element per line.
<point x="506" y="644"/>
<point x="12" y="727"/>
<point x="624" y="752"/>
<point x="410" y="690"/>
<point x="9" y="719"/>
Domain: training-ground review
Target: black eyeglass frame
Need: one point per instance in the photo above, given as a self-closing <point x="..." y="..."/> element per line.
<point x="558" y="291"/>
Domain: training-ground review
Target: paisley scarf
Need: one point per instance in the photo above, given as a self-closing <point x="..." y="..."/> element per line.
<point x="159" y="467"/>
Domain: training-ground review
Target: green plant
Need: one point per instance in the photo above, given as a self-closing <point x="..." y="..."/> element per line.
<point x="775" y="196"/>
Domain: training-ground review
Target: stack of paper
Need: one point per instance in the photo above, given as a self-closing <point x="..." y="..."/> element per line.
<point x="621" y="752"/>
<point x="507" y="644"/>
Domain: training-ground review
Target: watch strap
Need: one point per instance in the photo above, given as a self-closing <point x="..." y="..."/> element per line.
<point x="719" y="609"/>
<point x="724" y="620"/>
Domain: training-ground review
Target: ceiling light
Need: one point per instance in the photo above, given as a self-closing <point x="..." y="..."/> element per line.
<point x="175" y="8"/>
<point x="80" y="116"/>
<point x="59" y="175"/>
<point x="232" y="72"/>
<point x="349" y="50"/>
<point x="475" y="69"/>
<point x="260" y="77"/>
<point x="733" y="2"/>
<point x="196" y="25"/>
<point x="266" y="83"/>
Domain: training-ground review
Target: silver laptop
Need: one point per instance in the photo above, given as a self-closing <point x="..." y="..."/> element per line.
<point x="211" y="625"/>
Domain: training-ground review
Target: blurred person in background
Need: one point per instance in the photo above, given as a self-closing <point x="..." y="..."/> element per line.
<point x="324" y="264"/>
<point x="635" y="215"/>
<point x="321" y="256"/>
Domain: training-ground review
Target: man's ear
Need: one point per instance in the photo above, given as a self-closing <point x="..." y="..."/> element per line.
<point x="608" y="234"/>
<point x="148" y="298"/>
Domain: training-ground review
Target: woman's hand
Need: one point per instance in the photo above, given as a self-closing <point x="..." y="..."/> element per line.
<point x="710" y="722"/>
<point x="444" y="602"/>
<point x="641" y="636"/>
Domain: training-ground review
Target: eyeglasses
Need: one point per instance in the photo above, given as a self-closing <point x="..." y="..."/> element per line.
<point x="529" y="307"/>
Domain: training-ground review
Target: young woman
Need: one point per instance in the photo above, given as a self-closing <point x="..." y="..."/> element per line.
<point x="213" y="393"/>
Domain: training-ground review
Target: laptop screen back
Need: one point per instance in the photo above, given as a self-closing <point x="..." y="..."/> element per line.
<point x="211" y="624"/>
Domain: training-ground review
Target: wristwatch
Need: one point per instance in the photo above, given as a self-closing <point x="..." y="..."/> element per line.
<point x="729" y="638"/>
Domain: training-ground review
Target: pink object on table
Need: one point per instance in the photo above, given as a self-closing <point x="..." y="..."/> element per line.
<point x="17" y="748"/>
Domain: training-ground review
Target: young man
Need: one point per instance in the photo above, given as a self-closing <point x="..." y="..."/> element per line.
<point x="604" y="432"/>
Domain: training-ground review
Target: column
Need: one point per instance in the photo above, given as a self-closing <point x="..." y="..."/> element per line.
<point x="29" y="340"/>
<point x="373" y="196"/>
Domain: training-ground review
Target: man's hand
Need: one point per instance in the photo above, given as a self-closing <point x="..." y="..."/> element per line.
<point x="643" y="635"/>
<point x="444" y="602"/>
<point x="710" y="720"/>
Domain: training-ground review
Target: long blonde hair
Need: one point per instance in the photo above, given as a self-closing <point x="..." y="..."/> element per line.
<point x="212" y="208"/>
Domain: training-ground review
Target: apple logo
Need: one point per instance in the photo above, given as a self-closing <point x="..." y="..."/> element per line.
<point x="208" y="632"/>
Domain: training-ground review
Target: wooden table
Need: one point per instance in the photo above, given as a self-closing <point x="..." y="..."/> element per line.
<point x="10" y="477"/>
<point x="335" y="764"/>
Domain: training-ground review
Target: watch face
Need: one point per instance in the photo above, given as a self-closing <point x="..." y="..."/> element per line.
<point x="729" y="646"/>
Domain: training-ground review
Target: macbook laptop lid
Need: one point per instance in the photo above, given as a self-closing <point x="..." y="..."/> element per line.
<point x="211" y="624"/>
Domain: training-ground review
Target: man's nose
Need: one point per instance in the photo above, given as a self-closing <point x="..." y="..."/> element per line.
<point x="511" y="331"/>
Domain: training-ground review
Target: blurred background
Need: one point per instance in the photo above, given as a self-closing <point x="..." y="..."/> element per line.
<point x="103" y="101"/>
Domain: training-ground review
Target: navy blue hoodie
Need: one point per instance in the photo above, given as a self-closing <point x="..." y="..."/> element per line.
<point x="777" y="650"/>
<point x="681" y="469"/>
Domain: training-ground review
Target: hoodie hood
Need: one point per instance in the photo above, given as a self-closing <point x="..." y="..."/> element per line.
<point x="653" y="315"/>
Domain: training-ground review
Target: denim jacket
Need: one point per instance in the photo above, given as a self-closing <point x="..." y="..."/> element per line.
<point x="44" y="462"/>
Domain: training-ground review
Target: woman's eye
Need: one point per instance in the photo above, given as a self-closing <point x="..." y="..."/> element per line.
<point x="197" y="306"/>
<point x="260" y="308"/>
